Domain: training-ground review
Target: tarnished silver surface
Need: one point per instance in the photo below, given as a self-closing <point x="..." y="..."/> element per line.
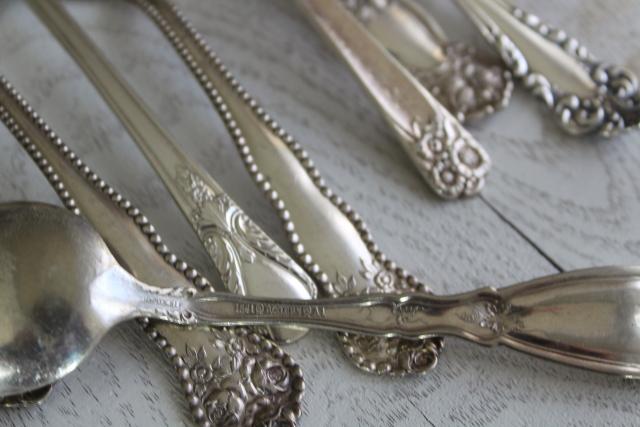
<point x="452" y="162"/>
<point x="585" y="95"/>
<point x="331" y="240"/>
<point x="249" y="262"/>
<point x="229" y="376"/>
<point x="469" y="86"/>
<point x="33" y="397"/>
<point x="62" y="290"/>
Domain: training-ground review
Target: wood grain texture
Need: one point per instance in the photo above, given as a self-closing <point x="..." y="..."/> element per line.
<point x="578" y="201"/>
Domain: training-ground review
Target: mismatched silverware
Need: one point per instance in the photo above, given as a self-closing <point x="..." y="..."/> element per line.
<point x="452" y="162"/>
<point x="469" y="86"/>
<point x="62" y="291"/>
<point x="329" y="237"/>
<point x="229" y="376"/>
<point x="249" y="261"/>
<point x="585" y="95"/>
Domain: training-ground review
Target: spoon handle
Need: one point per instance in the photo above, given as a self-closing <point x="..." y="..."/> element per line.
<point x="586" y="318"/>
<point x="328" y="236"/>
<point x="584" y="94"/>
<point x="452" y="162"/>
<point x="141" y="249"/>
<point x="242" y="252"/>
<point x="466" y="84"/>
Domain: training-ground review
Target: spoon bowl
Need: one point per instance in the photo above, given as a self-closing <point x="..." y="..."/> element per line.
<point x="61" y="290"/>
<point x="49" y="322"/>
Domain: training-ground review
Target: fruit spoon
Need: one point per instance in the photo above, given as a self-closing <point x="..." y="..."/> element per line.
<point x="61" y="291"/>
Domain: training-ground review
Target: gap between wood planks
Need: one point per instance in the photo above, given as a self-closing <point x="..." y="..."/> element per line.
<point x="522" y="234"/>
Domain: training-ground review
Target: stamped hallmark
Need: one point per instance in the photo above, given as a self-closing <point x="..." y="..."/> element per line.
<point x="281" y="310"/>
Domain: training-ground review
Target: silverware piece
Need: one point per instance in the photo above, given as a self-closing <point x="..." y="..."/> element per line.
<point x="452" y="162"/>
<point x="469" y="86"/>
<point x="585" y="95"/>
<point x="229" y="376"/>
<point x="30" y="398"/>
<point x="250" y="263"/>
<point x="62" y="291"/>
<point x="330" y="239"/>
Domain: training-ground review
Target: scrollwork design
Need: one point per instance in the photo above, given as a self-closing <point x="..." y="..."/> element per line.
<point x="615" y="102"/>
<point x="230" y="236"/>
<point x="454" y="163"/>
<point x="498" y="317"/>
<point x="395" y="356"/>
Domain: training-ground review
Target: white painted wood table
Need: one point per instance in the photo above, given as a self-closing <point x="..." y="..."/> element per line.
<point x="552" y="202"/>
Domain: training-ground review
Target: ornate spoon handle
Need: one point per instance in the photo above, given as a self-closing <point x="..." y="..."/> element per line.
<point x="586" y="318"/>
<point x="331" y="240"/>
<point x="584" y="94"/>
<point x="463" y="82"/>
<point x="249" y="262"/>
<point x="141" y="250"/>
<point x="452" y="162"/>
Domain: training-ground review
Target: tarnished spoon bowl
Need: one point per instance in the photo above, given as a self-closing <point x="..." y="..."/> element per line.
<point x="61" y="290"/>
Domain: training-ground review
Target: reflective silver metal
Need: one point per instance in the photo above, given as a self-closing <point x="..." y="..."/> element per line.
<point x="585" y="95"/>
<point x="452" y="162"/>
<point x="33" y="397"/>
<point x="469" y="86"/>
<point x="230" y="377"/>
<point x="249" y="262"/>
<point x="330" y="239"/>
<point x="62" y="291"/>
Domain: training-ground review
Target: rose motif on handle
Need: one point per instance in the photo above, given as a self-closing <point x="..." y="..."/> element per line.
<point x="451" y="160"/>
<point x="248" y="380"/>
<point x="466" y="86"/>
<point x="223" y="409"/>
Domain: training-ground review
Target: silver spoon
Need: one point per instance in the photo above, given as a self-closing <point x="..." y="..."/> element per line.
<point x="585" y="94"/>
<point x="61" y="291"/>
<point x="448" y="157"/>
<point x="469" y="86"/>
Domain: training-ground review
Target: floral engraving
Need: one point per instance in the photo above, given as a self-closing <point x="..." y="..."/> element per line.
<point x="465" y="85"/>
<point x="168" y="303"/>
<point x="497" y="317"/>
<point x="405" y="313"/>
<point x="379" y="279"/>
<point x="392" y="356"/>
<point x="230" y="237"/>
<point x="246" y="381"/>
<point x="452" y="161"/>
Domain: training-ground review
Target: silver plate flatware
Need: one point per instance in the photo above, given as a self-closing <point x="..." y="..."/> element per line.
<point x="585" y="95"/>
<point x="54" y="316"/>
<point x="345" y="260"/>
<point x="469" y="86"/>
<point x="329" y="237"/>
<point x="249" y="261"/>
<point x="229" y="376"/>
<point x="452" y="162"/>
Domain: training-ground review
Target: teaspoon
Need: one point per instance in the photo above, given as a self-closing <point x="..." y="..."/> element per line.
<point x="61" y="291"/>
